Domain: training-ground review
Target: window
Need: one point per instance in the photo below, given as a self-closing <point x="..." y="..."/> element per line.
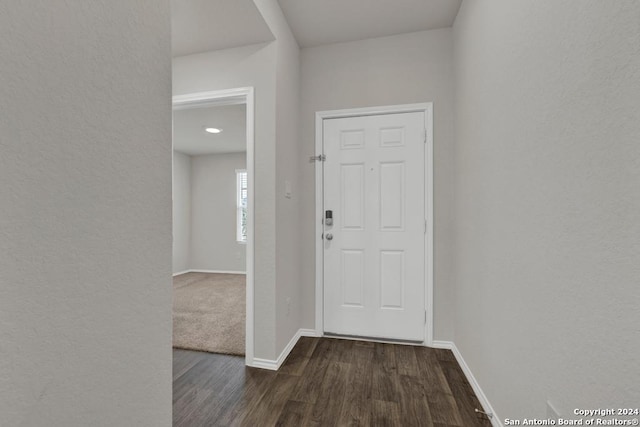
<point x="241" y="215"/>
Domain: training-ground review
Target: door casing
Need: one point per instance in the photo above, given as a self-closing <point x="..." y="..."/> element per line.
<point x="427" y="109"/>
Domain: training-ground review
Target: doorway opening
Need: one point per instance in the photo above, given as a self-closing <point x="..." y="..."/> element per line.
<point x="213" y="202"/>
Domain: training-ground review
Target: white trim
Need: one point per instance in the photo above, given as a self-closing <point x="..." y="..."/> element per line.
<point x="209" y="271"/>
<point x="244" y="95"/>
<point x="429" y="214"/>
<point x="486" y="405"/>
<point x="446" y="345"/>
<point x="427" y="109"/>
<point x="239" y="236"/>
<point x="217" y="271"/>
<point x="271" y="365"/>
<point x="181" y="272"/>
<point x="319" y="226"/>
<point x="274" y="365"/>
<point x="309" y="333"/>
<point x="374" y="111"/>
<point x="212" y="98"/>
<point x="287" y="349"/>
<point x="250" y="254"/>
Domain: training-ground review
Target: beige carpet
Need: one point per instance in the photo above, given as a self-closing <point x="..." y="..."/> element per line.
<point x="209" y="312"/>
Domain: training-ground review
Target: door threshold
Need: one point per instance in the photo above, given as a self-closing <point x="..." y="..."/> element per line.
<point x="372" y="339"/>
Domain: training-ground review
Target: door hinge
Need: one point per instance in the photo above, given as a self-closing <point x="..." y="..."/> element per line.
<point x="424" y="134"/>
<point x="425" y="317"/>
<point x="318" y="158"/>
<point x="425" y="226"/>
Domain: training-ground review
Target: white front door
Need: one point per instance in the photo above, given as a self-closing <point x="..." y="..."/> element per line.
<point x="374" y="253"/>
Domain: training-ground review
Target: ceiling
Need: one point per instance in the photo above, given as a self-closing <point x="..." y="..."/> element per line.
<point x="317" y="22"/>
<point x="203" y="25"/>
<point x="190" y="138"/>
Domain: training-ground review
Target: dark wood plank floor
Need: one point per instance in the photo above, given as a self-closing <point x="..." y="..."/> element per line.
<point x="326" y="382"/>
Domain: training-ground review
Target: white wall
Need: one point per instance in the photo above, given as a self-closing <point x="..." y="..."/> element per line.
<point x="408" y="68"/>
<point x="547" y="202"/>
<point x="213" y="213"/>
<point x="85" y="217"/>
<point x="181" y="212"/>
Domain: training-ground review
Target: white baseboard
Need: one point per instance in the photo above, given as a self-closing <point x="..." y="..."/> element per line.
<point x="209" y="271"/>
<point x="486" y="406"/>
<point x="274" y="365"/>
<point x="446" y="345"/>
<point x="264" y="364"/>
<point x="181" y="272"/>
<point x="218" y="271"/>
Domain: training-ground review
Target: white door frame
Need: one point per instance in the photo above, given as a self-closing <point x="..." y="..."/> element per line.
<point x="244" y="95"/>
<point x="427" y="109"/>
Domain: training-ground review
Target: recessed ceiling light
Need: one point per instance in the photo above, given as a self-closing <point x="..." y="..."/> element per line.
<point x="212" y="130"/>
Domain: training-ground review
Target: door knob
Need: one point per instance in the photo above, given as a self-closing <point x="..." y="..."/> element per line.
<point x="329" y="236"/>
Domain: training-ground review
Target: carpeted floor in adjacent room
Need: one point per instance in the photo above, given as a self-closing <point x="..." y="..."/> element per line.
<point x="209" y="312"/>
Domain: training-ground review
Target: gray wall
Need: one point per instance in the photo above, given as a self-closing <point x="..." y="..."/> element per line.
<point x="288" y="302"/>
<point x="85" y="217"/>
<point x="213" y="213"/>
<point x="409" y="68"/>
<point x="181" y="212"/>
<point x="547" y="202"/>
